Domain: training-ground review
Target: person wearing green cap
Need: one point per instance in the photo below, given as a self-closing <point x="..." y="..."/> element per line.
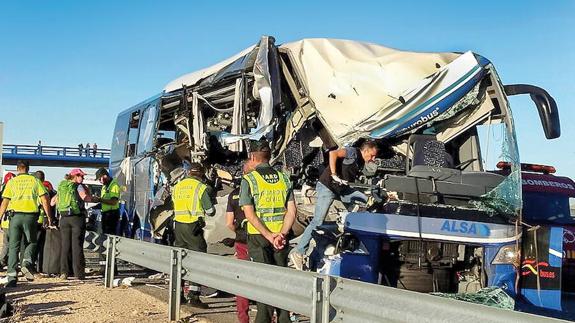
<point x="266" y="197"/>
<point x="110" y="199"/>
<point x="192" y="202"/>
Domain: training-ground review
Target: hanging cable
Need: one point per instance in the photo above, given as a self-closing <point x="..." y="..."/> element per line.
<point x="213" y="107"/>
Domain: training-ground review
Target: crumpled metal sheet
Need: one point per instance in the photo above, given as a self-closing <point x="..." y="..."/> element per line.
<point x="359" y="87"/>
<point x="192" y="78"/>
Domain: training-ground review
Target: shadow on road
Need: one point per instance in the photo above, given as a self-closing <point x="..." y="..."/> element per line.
<point x="50" y="309"/>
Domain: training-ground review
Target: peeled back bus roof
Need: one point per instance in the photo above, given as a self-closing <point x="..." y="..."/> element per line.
<point x="384" y="87"/>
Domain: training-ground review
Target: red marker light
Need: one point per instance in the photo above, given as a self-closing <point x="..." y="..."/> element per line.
<point x="503" y="165"/>
<point x="545" y="169"/>
<point x="538" y="168"/>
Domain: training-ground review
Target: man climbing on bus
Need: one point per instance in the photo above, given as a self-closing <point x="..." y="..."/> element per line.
<point x="345" y="165"/>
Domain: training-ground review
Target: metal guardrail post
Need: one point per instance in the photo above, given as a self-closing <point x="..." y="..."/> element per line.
<point x="175" y="285"/>
<point x="328" y="312"/>
<point x="320" y="298"/>
<point x="110" y="262"/>
<point x="317" y="300"/>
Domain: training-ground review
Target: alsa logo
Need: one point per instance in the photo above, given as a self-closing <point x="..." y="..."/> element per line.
<point x="469" y="228"/>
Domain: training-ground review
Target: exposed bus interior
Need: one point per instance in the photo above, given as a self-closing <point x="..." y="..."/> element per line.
<point x="445" y="161"/>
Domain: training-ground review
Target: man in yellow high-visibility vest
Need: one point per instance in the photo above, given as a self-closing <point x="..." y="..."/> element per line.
<point x="21" y="195"/>
<point x="192" y="202"/>
<point x="267" y="200"/>
<point x="110" y="199"/>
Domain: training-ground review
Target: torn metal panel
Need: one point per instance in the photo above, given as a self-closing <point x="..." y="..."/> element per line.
<point x="266" y="74"/>
<point x="192" y="78"/>
<point x="237" y="118"/>
<point x="368" y="80"/>
<point x="197" y="123"/>
<point x="257" y="70"/>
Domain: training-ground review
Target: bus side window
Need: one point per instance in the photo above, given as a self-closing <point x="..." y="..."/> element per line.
<point x="133" y="134"/>
<point x="120" y="138"/>
<point x="147" y="129"/>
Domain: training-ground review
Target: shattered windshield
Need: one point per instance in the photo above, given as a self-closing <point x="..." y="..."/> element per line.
<point x="501" y="145"/>
<point x="507" y="196"/>
<point x="478" y="133"/>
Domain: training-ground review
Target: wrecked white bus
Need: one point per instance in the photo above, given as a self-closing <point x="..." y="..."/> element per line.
<point x="443" y="118"/>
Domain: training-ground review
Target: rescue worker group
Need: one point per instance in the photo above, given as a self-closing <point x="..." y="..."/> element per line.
<point x="44" y="228"/>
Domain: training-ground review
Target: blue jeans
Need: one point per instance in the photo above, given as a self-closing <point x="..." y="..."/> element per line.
<point x="324" y="199"/>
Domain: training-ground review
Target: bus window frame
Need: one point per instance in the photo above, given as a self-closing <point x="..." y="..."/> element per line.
<point x="146" y="141"/>
<point x="128" y="152"/>
<point x="120" y="140"/>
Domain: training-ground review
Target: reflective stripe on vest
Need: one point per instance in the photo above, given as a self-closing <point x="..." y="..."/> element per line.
<point x="187" y="197"/>
<point x="269" y="199"/>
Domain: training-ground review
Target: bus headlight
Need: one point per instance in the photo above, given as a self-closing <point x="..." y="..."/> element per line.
<point x="507" y="255"/>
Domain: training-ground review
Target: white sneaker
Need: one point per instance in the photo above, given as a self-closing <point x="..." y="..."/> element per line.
<point x="4" y="280"/>
<point x="296" y="259"/>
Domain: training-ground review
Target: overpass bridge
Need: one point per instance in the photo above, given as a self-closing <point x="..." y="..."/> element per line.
<point x="55" y="156"/>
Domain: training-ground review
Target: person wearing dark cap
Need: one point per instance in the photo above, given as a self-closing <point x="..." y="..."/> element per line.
<point x="21" y="196"/>
<point x="192" y="202"/>
<point x="109" y="197"/>
<point x="268" y="203"/>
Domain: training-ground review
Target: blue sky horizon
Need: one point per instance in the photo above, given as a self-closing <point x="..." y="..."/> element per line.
<point x="67" y="68"/>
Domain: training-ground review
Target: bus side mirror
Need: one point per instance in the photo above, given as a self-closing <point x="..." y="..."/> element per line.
<point x="546" y="106"/>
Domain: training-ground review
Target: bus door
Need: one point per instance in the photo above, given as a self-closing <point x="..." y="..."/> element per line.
<point x="130" y="163"/>
<point x="541" y="266"/>
<point x="142" y="166"/>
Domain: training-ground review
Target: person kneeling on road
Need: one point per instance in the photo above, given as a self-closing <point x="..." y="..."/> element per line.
<point x="345" y="165"/>
<point x="192" y="202"/>
<point x="21" y="196"/>
<point x="267" y="200"/>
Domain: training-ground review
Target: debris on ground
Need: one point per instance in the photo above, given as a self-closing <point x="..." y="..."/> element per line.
<point x="490" y="296"/>
<point x="127" y="282"/>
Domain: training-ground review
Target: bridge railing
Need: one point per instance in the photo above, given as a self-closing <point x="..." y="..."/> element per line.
<point x="56" y="151"/>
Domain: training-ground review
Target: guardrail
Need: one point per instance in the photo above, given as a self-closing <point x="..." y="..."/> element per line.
<point x="56" y="151"/>
<point x="322" y="298"/>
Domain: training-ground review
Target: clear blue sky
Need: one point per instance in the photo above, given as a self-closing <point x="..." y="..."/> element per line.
<point x="68" y="67"/>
